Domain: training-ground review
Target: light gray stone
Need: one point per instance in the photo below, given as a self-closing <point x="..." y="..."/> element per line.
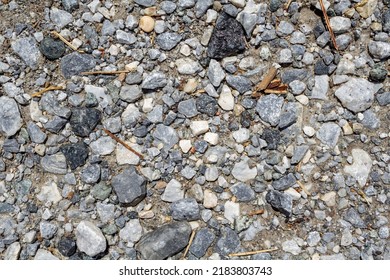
<point x="241" y="171"/>
<point x="379" y="50"/>
<point x="329" y="134"/>
<point x="90" y="239"/>
<point x="132" y="232"/>
<point x="215" y="73"/>
<point x="10" y="119"/>
<point x="361" y="167"/>
<point x="27" y="49"/>
<point x="55" y="164"/>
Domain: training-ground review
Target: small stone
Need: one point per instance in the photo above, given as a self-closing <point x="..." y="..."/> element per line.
<point x="125" y="38"/>
<point x="269" y="108"/>
<point x="367" y="8"/>
<point x="60" y="18"/>
<point x="313" y="238"/>
<point x="190" y="86"/>
<point x="13" y="251"/>
<point x="55" y="164"/>
<point x="309" y="131"/>
<point x="321" y="87"/>
<point x="361" y="167"/>
<point x="90" y="239"/>
<point x="378" y="74"/>
<point x="49" y="193"/>
<point x="291" y="246"/>
<point x="167" y="41"/>
<point x="329" y="199"/>
<point x="202" y="6"/>
<point x="226" y="99"/>
<point x="354" y="218"/>
<point x="125" y="156"/>
<point x="211" y="174"/>
<point x="285" y="56"/>
<point x="202" y="241"/>
<point x="168" y="6"/>
<point x="130" y="116"/>
<point x="67" y="247"/>
<point x="75" y="63"/>
<point x="299" y="153"/>
<point x="70" y="5"/>
<point x="75" y="154"/>
<point x="129" y="187"/>
<point x="228" y="242"/>
<point x="379" y="50"/>
<point x="340" y="24"/>
<point x="188" y="173"/>
<point x="242" y="135"/>
<point x="165" y="241"/>
<point x="35" y="133"/>
<point x="185" y="145"/>
<point x="280" y="201"/>
<point x="52" y="49"/>
<point x="231" y="211"/>
<point x="165" y="135"/>
<point x="132" y="232"/>
<point x="188" y="108"/>
<point x="284" y="182"/>
<point x="242" y="172"/>
<point x="207" y="105"/>
<point x="90" y="174"/>
<point x="10" y="119"/>
<point x="47" y="230"/>
<point x="346" y="238"/>
<point x="199" y="127"/>
<point x="271" y="137"/>
<point x="28" y="51"/>
<point x="210" y="200"/>
<point x="185" y="209"/>
<point x="101" y="191"/>
<point x="239" y="83"/>
<point x="130" y="93"/>
<point x="146" y="23"/>
<point x="44" y="255"/>
<point x="215" y="73"/>
<point x="187" y="66"/>
<point x="173" y="191"/>
<point x="154" y="80"/>
<point x="103" y="146"/>
<point x="329" y="134"/>
<point x="243" y="192"/>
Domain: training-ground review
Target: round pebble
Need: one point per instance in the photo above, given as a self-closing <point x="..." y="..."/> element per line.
<point x="52" y="49"/>
<point x="146" y="23"/>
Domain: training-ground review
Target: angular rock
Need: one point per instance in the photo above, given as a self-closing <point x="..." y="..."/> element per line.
<point x="43" y="255"/>
<point x="55" y="164"/>
<point x="228" y="243"/>
<point x="130" y="93"/>
<point x="340" y="24"/>
<point x="242" y="172"/>
<point x="202" y="241"/>
<point x="188" y="108"/>
<point x="291" y="246"/>
<point x="187" y="66"/>
<point x="215" y="73"/>
<point x="165" y="241"/>
<point x="168" y="40"/>
<point x="129" y="187"/>
<point x="10" y="119"/>
<point x="60" y="18"/>
<point x="239" y="83"/>
<point x="226" y="99"/>
<point x="35" y="133"/>
<point x="284" y="183"/>
<point x="27" y="49"/>
<point x="90" y="174"/>
<point x="280" y="201"/>
<point x="288" y="115"/>
<point x="132" y="232"/>
<point x="125" y="37"/>
<point x="321" y="87"/>
<point x="272" y="137"/>
<point x="154" y="80"/>
<point x="227" y="39"/>
<point x="90" y="239"/>
<point x="329" y="134"/>
<point x="103" y="146"/>
<point x="47" y="230"/>
<point x="352" y="216"/>
<point x="173" y="191"/>
<point x="361" y="167"/>
<point x="50" y="104"/>
<point x="84" y="120"/>
<point x="379" y="50"/>
<point x="207" y="105"/>
<point x="185" y="209"/>
<point x="70" y="5"/>
<point x="269" y="108"/>
<point x="166" y="135"/>
<point x="243" y="192"/>
<point x="75" y="63"/>
<point x="67" y="247"/>
<point x="75" y="154"/>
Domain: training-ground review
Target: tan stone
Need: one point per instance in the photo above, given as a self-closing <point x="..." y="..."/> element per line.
<point x="146" y="23"/>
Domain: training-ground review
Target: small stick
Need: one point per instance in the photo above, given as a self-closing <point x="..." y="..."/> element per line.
<point x="328" y="25"/>
<point x="256" y="212"/>
<point x="55" y="33"/>
<point x="267" y="79"/>
<point x="123" y="143"/>
<point x="362" y="194"/>
<point x="275" y="83"/>
<point x="252" y="252"/>
<point x="189" y="244"/>
<point x="303" y="187"/>
<point x="275" y="91"/>
<point x="287" y="5"/>
<point x="104" y="72"/>
<point x="39" y="93"/>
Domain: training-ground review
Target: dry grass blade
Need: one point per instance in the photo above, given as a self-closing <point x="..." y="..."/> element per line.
<point x="267" y="79"/>
<point x="256" y="212"/>
<point x="279" y="90"/>
<point x="189" y="244"/>
<point x="328" y="25"/>
<point x="252" y="252"/>
<point x="362" y="194"/>
<point x="39" y="93"/>
<point x="287" y="5"/>
<point x="303" y="187"/>
<point x="123" y="143"/>
<point x="59" y="36"/>
<point x="105" y="72"/>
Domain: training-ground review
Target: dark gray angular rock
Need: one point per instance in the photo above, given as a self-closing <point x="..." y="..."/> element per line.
<point x="288" y="115"/>
<point x="84" y="120"/>
<point x="55" y="124"/>
<point x="386" y="21"/>
<point x="185" y="209"/>
<point x="52" y="49"/>
<point x="269" y="108"/>
<point x="239" y="83"/>
<point x="11" y="145"/>
<point x="272" y="137"/>
<point x="202" y="6"/>
<point x="166" y="135"/>
<point x="90" y="174"/>
<point x="207" y="105"/>
<point x="320" y="68"/>
<point x="168" y="40"/>
<point x="47" y="230"/>
<point x="202" y="241"/>
<point x="188" y="108"/>
<point x="378" y="74"/>
<point x="299" y="153"/>
<point x="75" y="154"/>
<point x="383" y="98"/>
<point x="6" y="208"/>
<point x="35" y="133"/>
<point x="294" y="74"/>
<point x="129" y="187"/>
<point x="284" y="183"/>
<point x="67" y="247"/>
<point x="274" y="5"/>
<point x="227" y="39"/>
<point x="75" y="63"/>
<point x="352" y="216"/>
<point x="154" y="80"/>
<point x="228" y="243"/>
<point x="280" y="201"/>
<point x="165" y="241"/>
<point x="243" y="192"/>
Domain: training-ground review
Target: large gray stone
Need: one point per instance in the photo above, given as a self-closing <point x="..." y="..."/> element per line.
<point x="129" y="187"/>
<point x="165" y="241"/>
<point x="269" y="108"/>
<point x="329" y="134"/>
<point x="166" y="135"/>
<point x="27" y="49"/>
<point x="90" y="239"/>
<point x="75" y="63"/>
<point x="10" y="120"/>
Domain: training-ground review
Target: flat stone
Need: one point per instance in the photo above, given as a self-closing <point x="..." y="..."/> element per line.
<point x="202" y="241"/>
<point x="154" y="80"/>
<point x="188" y="173"/>
<point x="90" y="239"/>
<point x="60" y="18"/>
<point x="129" y="186"/>
<point x="352" y="216"/>
<point x="130" y="93"/>
<point x="130" y="116"/>
<point x="211" y="174"/>
<point x="367" y="8"/>
<point x="50" y="104"/>
<point x="185" y="209"/>
<point x="321" y="87"/>
<point x="75" y="63"/>
<point x="165" y="241"/>
<point x="243" y="192"/>
<point x="166" y="135"/>
<point x="239" y="83"/>
<point x="55" y="164"/>
<point x="269" y="108"/>
<point x="35" y="133"/>
<point x="340" y="24"/>
<point x="168" y="40"/>
<point x="242" y="172"/>
<point x="242" y="135"/>
<point x="13" y="251"/>
<point x="125" y="156"/>
<point x="10" y="119"/>
<point x="101" y="191"/>
<point x="300" y="151"/>
<point x="215" y="73"/>
<point x="75" y="154"/>
<point x="290" y="75"/>
<point x="188" y="108"/>
<point x="27" y="49"/>
<point x="346" y="238"/>
<point x="103" y="146"/>
<point x="187" y="66"/>
<point x="227" y="39"/>
<point x="207" y="105"/>
<point x="228" y="242"/>
<point x="52" y="49"/>
<point x="125" y="37"/>
<point x="361" y="167"/>
<point x="173" y="191"/>
<point x="329" y="134"/>
<point x="313" y="238"/>
<point x="284" y="182"/>
<point x="280" y="201"/>
<point x="70" y="5"/>
<point x="132" y="232"/>
<point x="288" y="115"/>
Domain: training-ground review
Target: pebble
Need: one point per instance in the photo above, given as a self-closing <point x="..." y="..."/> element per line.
<point x="35" y="133"/>
<point x="291" y="246"/>
<point x="340" y="24"/>
<point x="75" y="63"/>
<point x="165" y="135"/>
<point x="103" y="146"/>
<point x="243" y="192"/>
<point x="187" y="66"/>
<point x="226" y="99"/>
<point x="215" y="73"/>
<point x="361" y="167"/>
<point x="173" y="191"/>
<point x="153" y="81"/>
<point x="70" y="5"/>
<point x="329" y="199"/>
<point x="10" y="119"/>
<point x="188" y="108"/>
<point x="242" y="135"/>
<point x="44" y="255"/>
<point x="49" y="193"/>
<point x="52" y="49"/>
<point x="329" y="134"/>
<point x="269" y="108"/>
<point x="346" y="238"/>
<point x="167" y="41"/>
<point x="185" y="209"/>
<point x="210" y="200"/>
<point x="379" y="50"/>
<point x="241" y="171"/>
<point x="60" y="18"/>
<point x="378" y="74"/>
<point x="280" y="201"/>
<point x="146" y="23"/>
<point x="75" y="154"/>
<point x="321" y="87"/>
<point x="67" y="247"/>
<point x="90" y="239"/>
<point x="228" y="242"/>
<point x="55" y="164"/>
<point x="165" y="241"/>
<point x="125" y="156"/>
<point x="132" y="232"/>
<point x="211" y="174"/>
<point x="13" y="251"/>
<point x="129" y="193"/>
<point x="27" y="49"/>
<point x="211" y="138"/>
<point x="199" y="127"/>
<point x="239" y="83"/>
<point x="47" y="230"/>
<point x="202" y="241"/>
<point x="207" y="105"/>
<point x="352" y="216"/>
<point x="284" y="182"/>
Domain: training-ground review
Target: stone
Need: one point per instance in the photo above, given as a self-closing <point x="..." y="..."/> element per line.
<point x="188" y="108"/>
<point x="248" y="22"/>
<point x="75" y="154"/>
<point x="164" y="241"/>
<point x="187" y="66"/>
<point x="84" y="120"/>
<point x="242" y="135"/>
<point x="290" y="75"/>
<point x="129" y="186"/>
<point x="243" y="192"/>
<point x="168" y="40"/>
<point x="227" y="39"/>
<point x="130" y="116"/>
<point x="353" y="217"/>
<point x="145" y="3"/>
<point x="70" y="5"/>
<point x="199" y="127"/>
<point x="101" y="191"/>
<point x="27" y="49"/>
<point x="67" y="247"/>
<point x="60" y="18"/>
<point x="228" y="242"/>
<point x="10" y="119"/>
<point x="202" y="241"/>
<point x="226" y="99"/>
<point x="280" y="201"/>
<point x="361" y="167"/>
<point x="13" y="251"/>
<point x="291" y="246"/>
<point x="55" y="164"/>
<point x="44" y="255"/>
<point x="285" y="56"/>
<point x="130" y="93"/>
<point x="50" y="104"/>
<point x="125" y="37"/>
<point x="346" y="238"/>
<point x="188" y="173"/>
<point x="154" y="80"/>
<point x="132" y="232"/>
<point x="35" y="133"/>
<point x="185" y="145"/>
<point x="210" y="200"/>
<point x="90" y="239"/>
<point x="269" y="108"/>
<point x="271" y="137"/>
<point x="300" y="152"/>
<point x="165" y="135"/>
<point x="378" y="74"/>
<point x="284" y="182"/>
<point x="239" y="83"/>
<point x="379" y="50"/>
<point x="75" y="63"/>
<point x="313" y="238"/>
<point x="202" y="6"/>
<point x="49" y="193"/>
<point x="207" y="105"/>
<point x="321" y="87"/>
<point x="52" y="49"/>
<point x="340" y="24"/>
<point x="125" y="156"/>
<point x="285" y="28"/>
<point x="215" y="73"/>
<point x="366" y="8"/>
<point x="185" y="209"/>
<point x="146" y="23"/>
<point x="370" y="120"/>
<point x="47" y="230"/>
<point x="103" y="146"/>
<point x="6" y="208"/>
<point x="90" y="174"/>
<point x="329" y="134"/>
<point x="241" y="171"/>
<point x="288" y="115"/>
<point x="168" y="6"/>
<point x="173" y="191"/>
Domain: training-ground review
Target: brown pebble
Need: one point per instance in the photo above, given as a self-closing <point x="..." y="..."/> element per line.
<point x="146" y="23"/>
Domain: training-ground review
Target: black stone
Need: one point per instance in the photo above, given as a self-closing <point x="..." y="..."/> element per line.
<point x="207" y="105"/>
<point x="75" y="154"/>
<point x="67" y="247"/>
<point x="227" y="39"/>
<point x="201" y="146"/>
<point x="84" y="120"/>
<point x="272" y="137"/>
<point x="75" y="63"/>
<point x="280" y="201"/>
<point x="52" y="49"/>
<point x="320" y="68"/>
<point x="246" y="119"/>
<point x="32" y="208"/>
<point x="318" y="29"/>
<point x="378" y="74"/>
<point x="284" y="183"/>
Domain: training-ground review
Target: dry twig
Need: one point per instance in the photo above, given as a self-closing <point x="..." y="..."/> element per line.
<point x="267" y="79"/>
<point x="59" y="36"/>
<point x="39" y="93"/>
<point x="303" y="187"/>
<point x="123" y="143"/>
<point x="362" y="194"/>
<point x="252" y="252"/>
<point x="280" y="90"/>
<point x="287" y="5"/>
<point x="328" y="25"/>
<point x="104" y="72"/>
<point x="189" y="245"/>
<point x="256" y="212"/>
